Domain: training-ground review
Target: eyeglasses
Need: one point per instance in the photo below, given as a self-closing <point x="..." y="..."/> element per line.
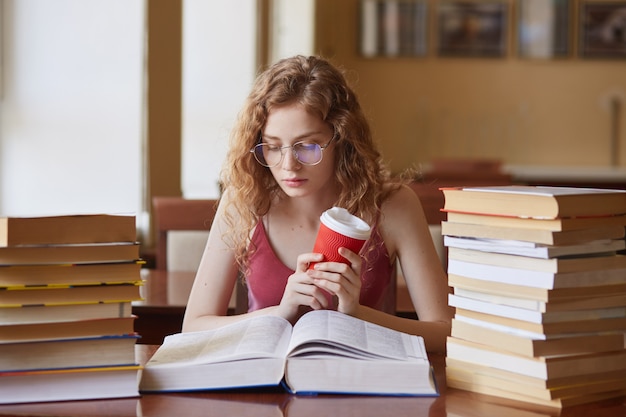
<point x="307" y="153"/>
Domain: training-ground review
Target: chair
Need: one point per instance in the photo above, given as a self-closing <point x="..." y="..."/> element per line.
<point x="455" y="172"/>
<point x="180" y="219"/>
<point x="182" y="227"/>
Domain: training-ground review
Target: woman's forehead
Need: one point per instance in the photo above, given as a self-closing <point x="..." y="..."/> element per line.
<point x="294" y="120"/>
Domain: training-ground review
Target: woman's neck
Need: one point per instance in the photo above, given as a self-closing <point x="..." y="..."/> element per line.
<point x="306" y="210"/>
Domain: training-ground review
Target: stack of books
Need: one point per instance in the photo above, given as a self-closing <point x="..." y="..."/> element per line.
<point x="539" y="287"/>
<point x="66" y="324"/>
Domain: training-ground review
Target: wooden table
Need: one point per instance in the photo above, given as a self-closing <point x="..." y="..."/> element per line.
<point x="275" y="402"/>
<point x="161" y="312"/>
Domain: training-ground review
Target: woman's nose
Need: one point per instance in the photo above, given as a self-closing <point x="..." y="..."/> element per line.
<point x="290" y="162"/>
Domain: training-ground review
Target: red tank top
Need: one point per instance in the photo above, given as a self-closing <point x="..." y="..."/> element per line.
<point x="267" y="276"/>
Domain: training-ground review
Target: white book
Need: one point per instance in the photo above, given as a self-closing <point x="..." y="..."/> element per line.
<point x="519" y="302"/>
<point x="515" y="331"/>
<point x="581" y="302"/>
<point x="391" y="18"/>
<point x="69" y="384"/>
<point x="542" y="367"/>
<point x="369" y="28"/>
<point x="513" y="341"/>
<point x="324" y="352"/>
<point x="532" y="249"/>
<point x="534" y="316"/>
<point x="536" y="279"/>
<point x="554" y="265"/>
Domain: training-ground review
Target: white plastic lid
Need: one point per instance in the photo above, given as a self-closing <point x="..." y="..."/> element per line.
<point x="341" y="221"/>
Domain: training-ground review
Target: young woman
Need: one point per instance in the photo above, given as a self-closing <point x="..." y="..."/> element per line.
<point x="302" y="145"/>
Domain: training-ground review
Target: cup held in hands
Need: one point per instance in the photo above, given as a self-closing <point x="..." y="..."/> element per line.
<point x="339" y="228"/>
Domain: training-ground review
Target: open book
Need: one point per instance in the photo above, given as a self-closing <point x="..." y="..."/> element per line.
<point x="324" y="352"/>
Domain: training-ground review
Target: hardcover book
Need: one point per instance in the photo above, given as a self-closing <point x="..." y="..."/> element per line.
<point x="535" y="201"/>
<point x="85" y="228"/>
<point x="64" y="312"/>
<point x="545" y="295"/>
<point x="69" y="254"/>
<point x="540" y="367"/>
<point x="555" y="225"/>
<point x="84" y="352"/>
<point x="68" y="384"/>
<point x="568" y="264"/>
<point x="535" y="250"/>
<point x="69" y="274"/>
<point x="489" y="381"/>
<point x="324" y="352"/>
<point x="529" y="344"/>
<point x="56" y="330"/>
<point x="546" y="237"/>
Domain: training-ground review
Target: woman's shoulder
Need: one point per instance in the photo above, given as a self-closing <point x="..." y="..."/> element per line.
<point x="401" y="218"/>
<point x="398" y="195"/>
<point x="401" y="209"/>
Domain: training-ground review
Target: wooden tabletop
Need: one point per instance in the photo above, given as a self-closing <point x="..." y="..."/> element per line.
<point x="275" y="402"/>
<point x="161" y="312"/>
<point x="168" y="289"/>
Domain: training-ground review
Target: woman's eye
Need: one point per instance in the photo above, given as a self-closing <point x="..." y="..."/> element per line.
<point x="307" y="146"/>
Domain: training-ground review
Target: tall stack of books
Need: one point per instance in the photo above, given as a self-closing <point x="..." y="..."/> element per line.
<point x="539" y="287"/>
<point x="66" y="325"/>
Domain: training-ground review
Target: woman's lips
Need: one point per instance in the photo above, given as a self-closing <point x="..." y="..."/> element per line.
<point x="293" y="182"/>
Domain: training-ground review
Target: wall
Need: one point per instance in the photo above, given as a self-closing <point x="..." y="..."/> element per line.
<point x="528" y="112"/>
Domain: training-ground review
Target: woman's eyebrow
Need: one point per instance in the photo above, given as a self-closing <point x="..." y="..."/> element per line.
<point x="299" y="137"/>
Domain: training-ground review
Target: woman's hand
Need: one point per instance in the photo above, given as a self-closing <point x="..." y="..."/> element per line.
<point x="341" y="280"/>
<point x="301" y="290"/>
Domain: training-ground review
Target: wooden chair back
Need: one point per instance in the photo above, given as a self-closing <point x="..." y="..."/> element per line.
<point x="178" y="213"/>
<point x="469" y="172"/>
<point x="181" y="214"/>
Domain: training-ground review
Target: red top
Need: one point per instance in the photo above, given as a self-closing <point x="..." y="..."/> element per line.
<point x="268" y="276"/>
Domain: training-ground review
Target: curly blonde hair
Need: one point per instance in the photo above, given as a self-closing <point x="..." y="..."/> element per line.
<point x="323" y="90"/>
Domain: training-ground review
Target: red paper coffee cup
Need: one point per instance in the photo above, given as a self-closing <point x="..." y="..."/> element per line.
<point x="339" y="228"/>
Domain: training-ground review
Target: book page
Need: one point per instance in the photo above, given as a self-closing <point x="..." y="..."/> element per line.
<point x="327" y="331"/>
<point x="258" y="337"/>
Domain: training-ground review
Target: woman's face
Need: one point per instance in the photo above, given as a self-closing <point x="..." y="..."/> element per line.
<point x="290" y="124"/>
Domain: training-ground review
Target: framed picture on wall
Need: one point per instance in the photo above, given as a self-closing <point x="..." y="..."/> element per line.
<point x="393" y="28"/>
<point x="543" y="28"/>
<point x="603" y="29"/>
<point x="472" y="28"/>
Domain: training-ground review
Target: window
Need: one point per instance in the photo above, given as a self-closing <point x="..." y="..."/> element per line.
<point x="219" y="43"/>
<point x="71" y="110"/>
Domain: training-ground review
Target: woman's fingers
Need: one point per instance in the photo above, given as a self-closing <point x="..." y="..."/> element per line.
<point x="341" y="280"/>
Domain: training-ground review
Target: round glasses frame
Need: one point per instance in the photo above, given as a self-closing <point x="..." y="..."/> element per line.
<point x="259" y="155"/>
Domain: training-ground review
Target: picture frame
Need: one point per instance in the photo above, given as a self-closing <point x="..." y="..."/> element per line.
<point x="543" y="28"/>
<point x="602" y="30"/>
<point x="393" y="28"/>
<point x="472" y="28"/>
